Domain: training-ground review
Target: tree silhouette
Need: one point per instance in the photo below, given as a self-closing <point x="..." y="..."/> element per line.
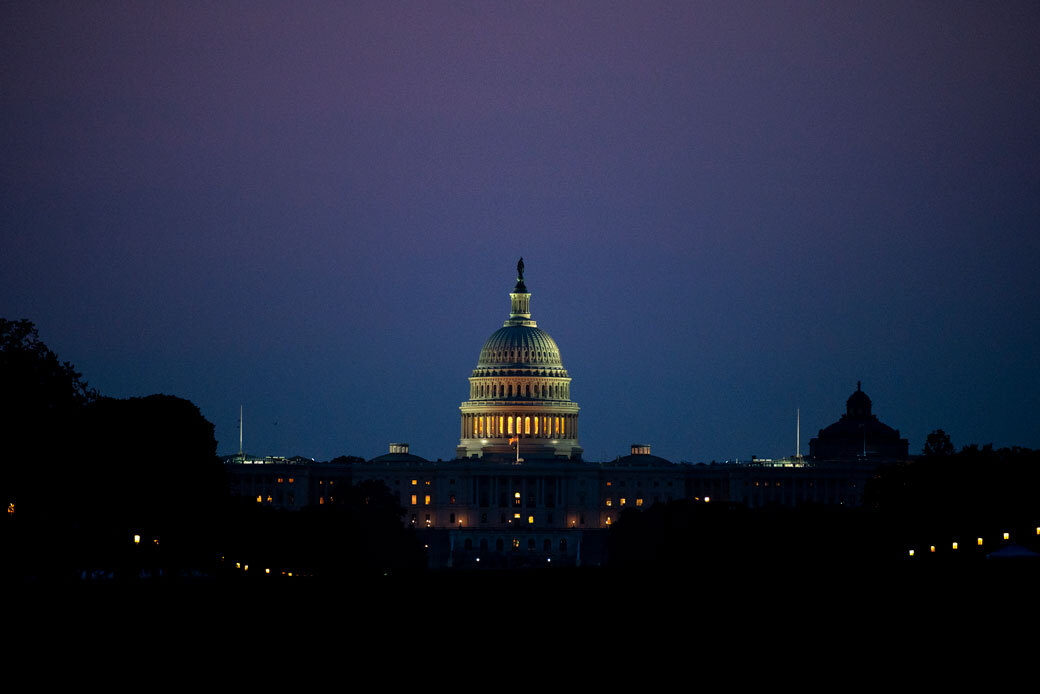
<point x="938" y="444"/>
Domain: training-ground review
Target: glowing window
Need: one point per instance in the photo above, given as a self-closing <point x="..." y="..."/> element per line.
<point x="639" y="502"/>
<point x="414" y="499"/>
<point x="609" y="501"/>
<point x="500" y="425"/>
<point x="527" y="425"/>
<point x="621" y="501"/>
<point x="291" y="480"/>
<point x="1007" y="536"/>
<point x="415" y="482"/>
<point x="530" y="519"/>
<point x="427" y="500"/>
<point x="510" y="420"/>
<point x="321" y="500"/>
<point x="280" y="480"/>
<point x="535" y="426"/>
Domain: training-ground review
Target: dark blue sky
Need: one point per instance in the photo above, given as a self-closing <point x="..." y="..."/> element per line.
<point x="727" y="210"/>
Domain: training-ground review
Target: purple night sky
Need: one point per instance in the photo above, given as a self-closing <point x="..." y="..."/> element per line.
<point x="727" y="211"/>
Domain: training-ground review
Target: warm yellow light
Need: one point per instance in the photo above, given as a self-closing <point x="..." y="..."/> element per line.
<point x="1007" y="536"/>
<point x="516" y="515"/>
<point x="267" y="571"/>
<point x="931" y="549"/>
<point x="639" y="502"/>
<point x="980" y="542"/>
<point x="707" y="499"/>
<point x="415" y="499"/>
<point x="530" y="519"/>
<point x="291" y="480"/>
<point x="246" y="567"/>
<point x="911" y="553"/>
<point x="238" y="565"/>
<point x="137" y="539"/>
<point x="608" y="520"/>
<point x="415" y="482"/>
<point x="259" y="498"/>
<point x="10" y="507"/>
<point x="955" y="545"/>
<point x="622" y="501"/>
<point x="427" y="499"/>
<point x="609" y="501"/>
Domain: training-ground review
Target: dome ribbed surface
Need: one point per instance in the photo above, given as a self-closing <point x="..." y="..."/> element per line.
<point x="519" y="344"/>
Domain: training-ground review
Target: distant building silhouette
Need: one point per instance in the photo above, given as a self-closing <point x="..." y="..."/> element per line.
<point x="858" y="435"/>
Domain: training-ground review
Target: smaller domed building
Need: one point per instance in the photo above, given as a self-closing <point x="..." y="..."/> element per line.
<point x="859" y="435"/>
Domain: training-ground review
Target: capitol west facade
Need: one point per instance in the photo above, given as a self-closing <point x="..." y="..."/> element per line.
<point x="519" y="493"/>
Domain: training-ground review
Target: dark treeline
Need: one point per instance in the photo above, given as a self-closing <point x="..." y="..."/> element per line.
<point x="82" y="476"/>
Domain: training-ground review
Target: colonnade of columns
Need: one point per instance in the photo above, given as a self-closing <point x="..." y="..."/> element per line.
<point x="556" y="426"/>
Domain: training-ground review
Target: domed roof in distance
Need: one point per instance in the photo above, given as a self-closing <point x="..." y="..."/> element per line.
<point x="519" y="344"/>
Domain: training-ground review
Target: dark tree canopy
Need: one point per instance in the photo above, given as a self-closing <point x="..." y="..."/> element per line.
<point x="938" y="444"/>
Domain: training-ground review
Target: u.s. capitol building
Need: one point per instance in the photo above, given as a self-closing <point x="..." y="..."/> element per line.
<point x="519" y="492"/>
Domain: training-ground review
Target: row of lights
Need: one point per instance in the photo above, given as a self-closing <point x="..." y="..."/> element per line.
<point x="955" y="545"/>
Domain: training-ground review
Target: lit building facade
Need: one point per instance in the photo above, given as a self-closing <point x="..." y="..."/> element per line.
<point x="544" y="505"/>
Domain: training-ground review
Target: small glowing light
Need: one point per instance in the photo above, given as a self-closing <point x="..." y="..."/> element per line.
<point x="516" y="515"/>
<point x="10" y="507"/>
<point x="911" y="553"/>
<point x="549" y="560"/>
<point x="478" y="559"/>
<point x="530" y="519"/>
<point x="426" y="546"/>
<point x="259" y="498"/>
<point x="246" y="567"/>
<point x="980" y="542"/>
<point x="517" y="495"/>
<point x="155" y="540"/>
<point x="955" y="545"/>
<point x="290" y="573"/>
<point x="267" y="571"/>
<point x="238" y="565"/>
<point x="1007" y="536"/>
<point x="137" y="539"/>
<point x="931" y="549"/>
<point x="707" y="499"/>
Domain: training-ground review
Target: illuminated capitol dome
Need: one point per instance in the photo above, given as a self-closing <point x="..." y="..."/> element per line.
<point x="519" y="393"/>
